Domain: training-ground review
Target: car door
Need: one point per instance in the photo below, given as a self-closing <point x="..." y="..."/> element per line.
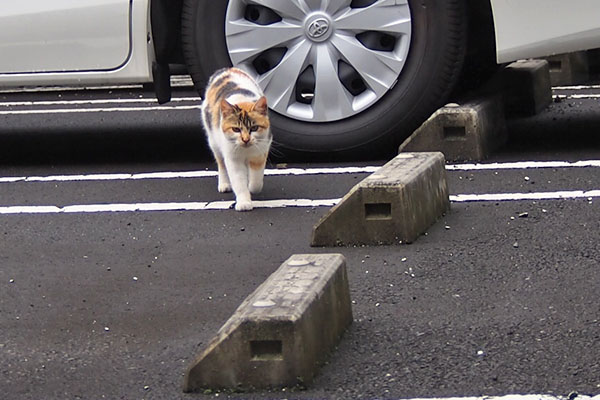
<point x="41" y="36"/>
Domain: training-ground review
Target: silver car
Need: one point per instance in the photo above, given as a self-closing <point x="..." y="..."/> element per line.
<point x="340" y="75"/>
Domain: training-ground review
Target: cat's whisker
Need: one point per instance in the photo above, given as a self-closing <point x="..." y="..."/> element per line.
<point x="275" y="151"/>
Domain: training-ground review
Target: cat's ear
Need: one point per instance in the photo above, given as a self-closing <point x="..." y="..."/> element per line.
<point x="227" y="108"/>
<point x="261" y="105"/>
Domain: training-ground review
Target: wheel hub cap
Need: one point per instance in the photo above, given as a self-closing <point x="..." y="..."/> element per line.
<point x="318" y="28"/>
<point x="320" y="60"/>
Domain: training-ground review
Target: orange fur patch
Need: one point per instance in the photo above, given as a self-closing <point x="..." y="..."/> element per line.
<point x="220" y="163"/>
<point x="257" y="163"/>
<point x="245" y="106"/>
<point x="243" y="115"/>
<point x="236" y="120"/>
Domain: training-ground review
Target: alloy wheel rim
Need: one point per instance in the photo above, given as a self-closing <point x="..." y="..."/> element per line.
<point x="320" y="60"/>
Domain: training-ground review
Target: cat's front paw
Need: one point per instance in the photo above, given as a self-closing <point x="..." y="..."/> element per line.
<point x="243" y="205"/>
<point x="224" y="187"/>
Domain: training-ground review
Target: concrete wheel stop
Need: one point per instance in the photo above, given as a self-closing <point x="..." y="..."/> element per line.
<point x="469" y="131"/>
<point x="569" y="68"/>
<point x="394" y="205"/>
<point x="282" y="332"/>
<point x="476" y="127"/>
<point x="526" y="87"/>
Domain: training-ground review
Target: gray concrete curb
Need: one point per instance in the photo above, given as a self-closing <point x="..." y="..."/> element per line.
<point x="527" y="89"/>
<point x="569" y="69"/>
<point x="394" y="205"/>
<point x="282" y="332"/>
<point x="594" y="61"/>
<point x="469" y="131"/>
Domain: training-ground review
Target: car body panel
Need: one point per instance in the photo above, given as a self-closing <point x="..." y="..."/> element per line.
<point x="75" y="42"/>
<point x="537" y="28"/>
<point x="86" y="42"/>
<point x="69" y="35"/>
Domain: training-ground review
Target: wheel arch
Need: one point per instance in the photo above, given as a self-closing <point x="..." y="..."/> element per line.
<point x="480" y="59"/>
<point x="482" y="28"/>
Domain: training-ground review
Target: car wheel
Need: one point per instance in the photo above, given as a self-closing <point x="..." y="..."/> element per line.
<point x="339" y="74"/>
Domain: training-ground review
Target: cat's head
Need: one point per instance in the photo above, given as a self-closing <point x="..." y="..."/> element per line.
<point x="245" y="123"/>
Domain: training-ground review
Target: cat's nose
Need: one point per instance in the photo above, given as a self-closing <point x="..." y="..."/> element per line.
<point x="245" y="138"/>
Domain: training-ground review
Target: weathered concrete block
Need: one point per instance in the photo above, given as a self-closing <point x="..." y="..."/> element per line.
<point x="282" y="332"/>
<point x="394" y="205"/>
<point x="462" y="132"/>
<point x="569" y="69"/>
<point x="594" y="61"/>
<point x="527" y="88"/>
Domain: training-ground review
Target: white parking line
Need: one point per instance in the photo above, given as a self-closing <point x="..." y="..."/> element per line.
<point x="176" y="81"/>
<point x="576" y="87"/>
<point x="96" y="110"/>
<point x="183" y="174"/>
<point x="559" y="195"/>
<point x="516" y="397"/>
<point x="184" y="206"/>
<point x="92" y="102"/>
<point x="524" y="165"/>
<point x="281" y="203"/>
<point x="576" y="96"/>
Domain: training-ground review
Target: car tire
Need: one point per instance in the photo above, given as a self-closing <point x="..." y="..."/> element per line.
<point x="429" y="73"/>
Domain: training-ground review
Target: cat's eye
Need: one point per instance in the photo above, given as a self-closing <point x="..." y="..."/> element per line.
<point x="254" y="128"/>
<point x="236" y="129"/>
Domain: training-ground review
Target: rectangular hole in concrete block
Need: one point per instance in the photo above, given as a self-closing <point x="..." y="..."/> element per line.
<point x="555" y="65"/>
<point x="455" y="133"/>
<point x="378" y="211"/>
<point x="266" y="350"/>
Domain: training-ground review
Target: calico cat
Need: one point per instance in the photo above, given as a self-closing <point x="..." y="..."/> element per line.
<point x="236" y="122"/>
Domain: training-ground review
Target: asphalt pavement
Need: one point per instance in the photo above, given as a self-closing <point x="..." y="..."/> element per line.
<point x="118" y="264"/>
